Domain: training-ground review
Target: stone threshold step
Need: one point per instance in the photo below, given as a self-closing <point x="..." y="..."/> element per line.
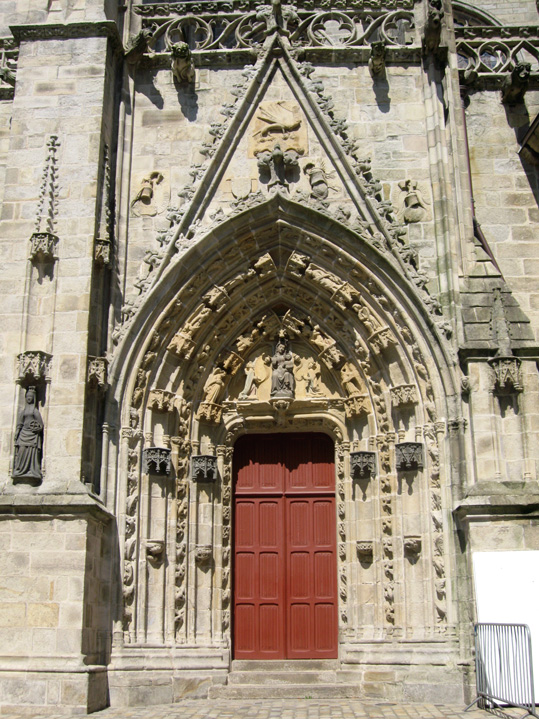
<point x="282" y="677"/>
<point x="287" y="691"/>
<point x="284" y="665"/>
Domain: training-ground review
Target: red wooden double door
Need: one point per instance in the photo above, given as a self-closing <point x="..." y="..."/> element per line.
<point x="285" y="568"/>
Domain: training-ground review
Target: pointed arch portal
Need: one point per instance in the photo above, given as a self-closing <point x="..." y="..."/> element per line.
<point x="196" y="379"/>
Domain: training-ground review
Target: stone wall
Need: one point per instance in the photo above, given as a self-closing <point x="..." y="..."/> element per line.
<point x="159" y="230"/>
<point x="55" y="609"/>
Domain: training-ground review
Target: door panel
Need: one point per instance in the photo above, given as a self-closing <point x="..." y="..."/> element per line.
<point x="285" y="540"/>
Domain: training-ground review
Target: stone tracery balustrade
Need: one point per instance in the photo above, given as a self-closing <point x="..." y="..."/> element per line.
<point x="493" y="52"/>
<point x="355" y="26"/>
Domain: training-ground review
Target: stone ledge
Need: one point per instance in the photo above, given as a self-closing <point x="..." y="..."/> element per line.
<point x="50" y="31"/>
<point x="497" y="498"/>
<point x="53" y="504"/>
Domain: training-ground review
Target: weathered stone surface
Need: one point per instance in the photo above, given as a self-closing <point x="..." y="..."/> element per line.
<point x="273" y="233"/>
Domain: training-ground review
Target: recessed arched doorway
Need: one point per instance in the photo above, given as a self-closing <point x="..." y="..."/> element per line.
<point x="285" y="558"/>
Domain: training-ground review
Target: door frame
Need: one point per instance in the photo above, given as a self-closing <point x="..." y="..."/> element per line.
<point x="285" y="497"/>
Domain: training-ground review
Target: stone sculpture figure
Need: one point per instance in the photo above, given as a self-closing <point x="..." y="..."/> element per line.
<point x="28" y="440"/>
<point x="214" y="385"/>
<point x="282" y="378"/>
<point x="312" y="378"/>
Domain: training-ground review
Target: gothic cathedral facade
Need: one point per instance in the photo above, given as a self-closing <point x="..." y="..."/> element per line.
<point x="270" y="324"/>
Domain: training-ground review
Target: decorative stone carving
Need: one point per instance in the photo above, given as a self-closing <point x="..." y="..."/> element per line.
<point x="204" y="468"/>
<point x="278" y="122"/>
<point x="44" y="240"/>
<point x="181" y="63"/>
<point x="381" y="340"/>
<point x="203" y="554"/>
<point x="144" y="203"/>
<point x="103" y="242"/>
<point x="97" y="372"/>
<point x="404" y="394"/>
<point x="28" y="440"/>
<point x="365" y="550"/>
<point x="278" y="168"/>
<point x="377" y="58"/>
<point x="318" y="180"/>
<point x="413" y="207"/>
<point x="283" y="382"/>
<point x="103" y="252"/>
<point x="33" y="367"/>
<point x="506" y="375"/>
<point x="155" y="549"/>
<point x="157" y="460"/>
<point x="362" y="464"/>
<point x="161" y="400"/>
<point x="409" y="455"/>
<point x="210" y="409"/>
<point x="433" y="27"/>
<point x="515" y="85"/>
<point x="351" y="380"/>
<point x="43" y="247"/>
<point x="412" y="545"/>
<point x="254" y="378"/>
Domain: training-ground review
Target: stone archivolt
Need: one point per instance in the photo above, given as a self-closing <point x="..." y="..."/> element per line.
<point x="204" y="379"/>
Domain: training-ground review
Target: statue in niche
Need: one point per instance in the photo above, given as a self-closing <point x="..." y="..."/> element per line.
<point x="28" y="440"/>
<point x="282" y="363"/>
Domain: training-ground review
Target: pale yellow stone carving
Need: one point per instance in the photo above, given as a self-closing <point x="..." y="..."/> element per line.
<point x="279" y="123"/>
<point x="351" y="380"/>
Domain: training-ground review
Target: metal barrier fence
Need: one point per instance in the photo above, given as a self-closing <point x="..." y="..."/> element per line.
<point x="503" y="666"/>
